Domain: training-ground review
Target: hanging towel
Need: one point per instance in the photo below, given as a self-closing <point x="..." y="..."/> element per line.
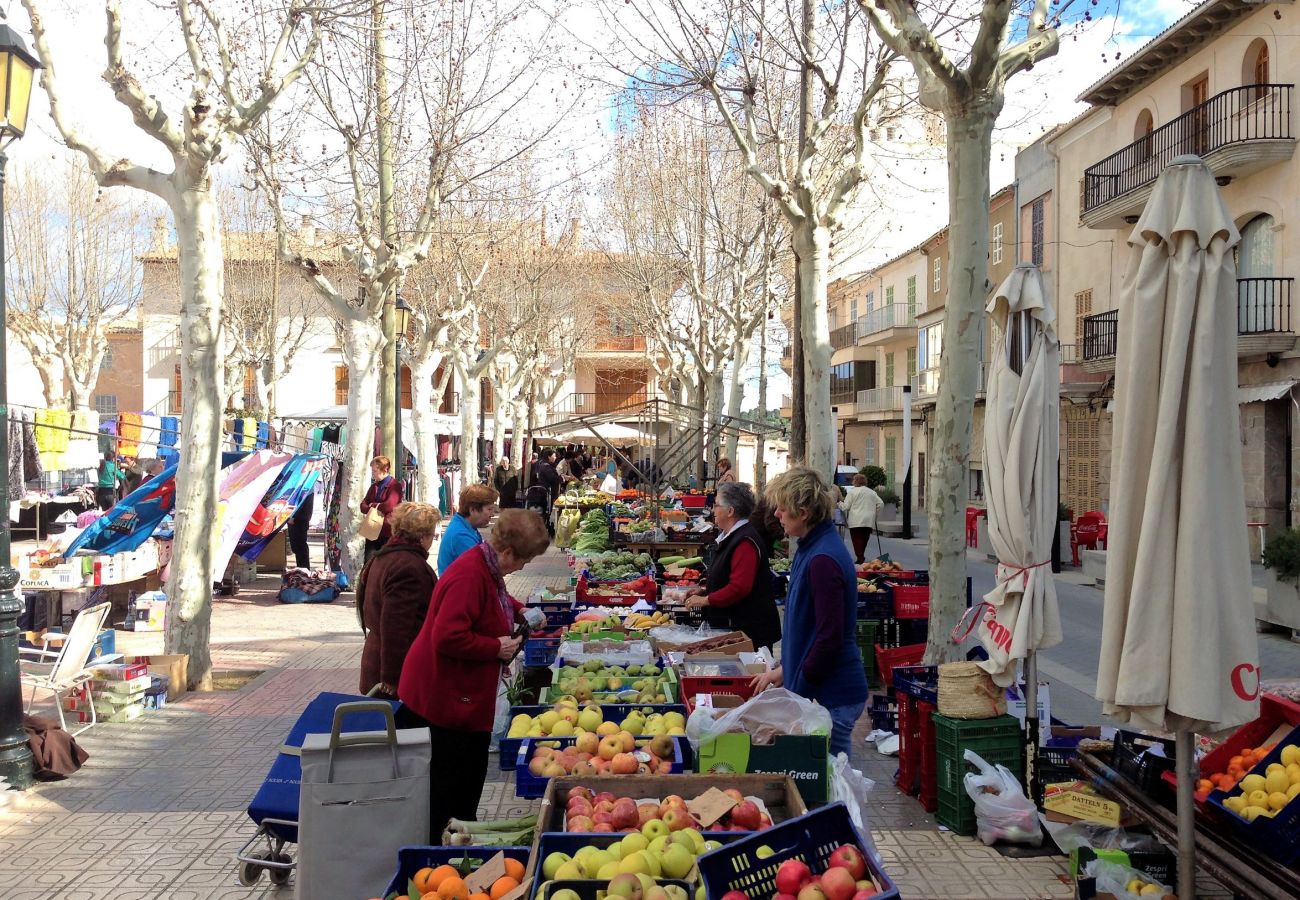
<point x="52" y="438"/>
<point x="83" y="447"/>
<point x="263" y="435"/>
<point x="317" y="437"/>
<point x="150" y="425"/>
<point x="128" y="433"/>
<point x="168" y="436"/>
<point x="236" y="431"/>
<point x="249" y="441"/>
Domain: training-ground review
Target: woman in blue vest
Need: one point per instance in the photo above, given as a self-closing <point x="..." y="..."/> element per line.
<point x="819" y="655"/>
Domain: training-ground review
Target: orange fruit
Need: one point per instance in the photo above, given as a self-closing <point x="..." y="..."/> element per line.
<point x="453" y="888"/>
<point x="502" y="886"/>
<point x="479" y="896"/>
<point x="428" y="880"/>
<point x="515" y="869"/>
<point x="1205" y="785"/>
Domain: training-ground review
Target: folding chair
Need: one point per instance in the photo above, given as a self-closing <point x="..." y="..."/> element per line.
<point x="62" y="672"/>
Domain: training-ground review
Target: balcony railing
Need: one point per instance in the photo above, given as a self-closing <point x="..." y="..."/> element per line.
<point x="1100" y="335"/>
<point x="844" y="336"/>
<point x="1264" y="305"/>
<point x="1070" y="355"/>
<point x="883" y="399"/>
<point x="620" y="344"/>
<point x="895" y="315"/>
<point x="926" y="383"/>
<point x="1256" y="112"/>
<point x="843" y="395"/>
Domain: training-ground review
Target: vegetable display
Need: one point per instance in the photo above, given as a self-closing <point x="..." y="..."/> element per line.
<point x="615" y="564"/>
<point x="593" y="533"/>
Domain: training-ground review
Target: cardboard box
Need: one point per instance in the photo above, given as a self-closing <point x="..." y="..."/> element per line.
<point x="125" y="671"/>
<point x="728" y="644"/>
<point x="275" y="555"/>
<point x="805" y="758"/>
<point x="1078" y="802"/>
<point x="63" y="577"/>
<point x="149" y="612"/>
<point x="1158" y="865"/>
<point x="174" y="667"/>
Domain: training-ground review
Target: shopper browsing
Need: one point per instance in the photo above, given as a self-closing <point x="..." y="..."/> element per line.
<point x="478" y="503"/>
<point x="385" y="494"/>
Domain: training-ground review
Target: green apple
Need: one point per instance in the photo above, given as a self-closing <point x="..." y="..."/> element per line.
<point x="608" y="871"/>
<point x="625" y="886"/>
<point x="677" y="861"/>
<point x="652" y="859"/>
<point x="585" y="852"/>
<point x="675" y="892"/>
<point x="764" y="852"/>
<point x="633" y="843"/>
<point x="570" y="871"/>
<point x="635" y="863"/>
<point x="655" y="828"/>
<point x="565" y="894"/>
<point x="659" y="844"/>
<point x="592" y="863"/>
<point x="552" y="864"/>
<point x="711" y="845"/>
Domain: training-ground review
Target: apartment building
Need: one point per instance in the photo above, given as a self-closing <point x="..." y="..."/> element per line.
<point x="1218" y="83"/>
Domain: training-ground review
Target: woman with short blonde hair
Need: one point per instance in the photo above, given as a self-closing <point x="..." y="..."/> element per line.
<point x="819" y="654"/>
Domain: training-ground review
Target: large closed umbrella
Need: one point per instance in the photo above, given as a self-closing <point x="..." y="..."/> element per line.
<point x="1021" y="447"/>
<point x="1178" y="645"/>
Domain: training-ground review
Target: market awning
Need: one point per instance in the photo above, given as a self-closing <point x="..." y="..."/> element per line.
<point x="1256" y="393"/>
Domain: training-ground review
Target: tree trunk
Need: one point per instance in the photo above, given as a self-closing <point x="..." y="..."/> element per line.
<point x="813" y="244"/>
<point x="79" y="392"/>
<point x="760" y="463"/>
<point x="471" y="389"/>
<point x="189" y="588"/>
<point x="262" y="388"/>
<point x="50" y="368"/>
<point x="363" y="340"/>
<point x="736" y="395"/>
<point x="423" y="403"/>
<point x="969" y="136"/>
<point x="712" y="450"/>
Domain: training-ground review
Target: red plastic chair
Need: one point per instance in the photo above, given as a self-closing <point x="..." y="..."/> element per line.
<point x="1088" y="531"/>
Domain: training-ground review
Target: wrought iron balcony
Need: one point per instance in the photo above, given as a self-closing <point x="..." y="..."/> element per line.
<point x="1100" y="338"/>
<point x="1236" y="132"/>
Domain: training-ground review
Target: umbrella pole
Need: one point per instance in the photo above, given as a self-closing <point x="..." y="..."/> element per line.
<point x="1184" y="766"/>
<point x="1031" y="725"/>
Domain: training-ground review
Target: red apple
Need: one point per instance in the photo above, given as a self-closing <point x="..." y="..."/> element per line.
<point x="785" y="897"/>
<point x="625" y="813"/>
<point x="849" y="857"/>
<point x="838" y="883"/>
<point x="677" y="819"/>
<point x="603" y="828"/>
<point x="605" y="796"/>
<point x="603" y="818"/>
<point x="813" y="892"/>
<point x="764" y="821"/>
<point x="747" y="815"/>
<point x="865" y="894"/>
<point x="734" y="794"/>
<point x="735" y="895"/>
<point x="580" y="823"/>
<point x="579" y="806"/>
<point x="646" y="812"/>
<point x="792" y="876"/>
<point x="584" y="793"/>
<point x="604" y="806"/>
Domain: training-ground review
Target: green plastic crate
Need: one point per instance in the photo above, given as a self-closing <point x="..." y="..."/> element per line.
<point x="866" y="637"/>
<point x="997" y="741"/>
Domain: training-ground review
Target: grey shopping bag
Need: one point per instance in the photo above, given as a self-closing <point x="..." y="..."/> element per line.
<point x="363" y="796"/>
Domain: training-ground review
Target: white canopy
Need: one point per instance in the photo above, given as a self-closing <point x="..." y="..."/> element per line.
<point x="610" y="431"/>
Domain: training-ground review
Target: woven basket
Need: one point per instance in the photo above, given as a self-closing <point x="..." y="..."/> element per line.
<point x="967" y="692"/>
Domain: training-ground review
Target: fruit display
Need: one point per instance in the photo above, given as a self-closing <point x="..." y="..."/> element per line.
<point x="589" y="499"/>
<point x="641" y="622"/>
<point x="1238" y="766"/>
<point x="781" y="566"/>
<point x="624" y="887"/>
<point x="645" y="586"/>
<point x="593" y="533"/>
<point x="590" y="685"/>
<point x="617" y="753"/>
<point x="448" y="882"/>
<point x="635" y="854"/>
<point x="584" y="810"/>
<point x="880" y="567"/>
<point x="869" y="586"/>
<point x="566" y="719"/>
<point x="1266" y="793"/>
<point x="1140" y="888"/>
<point x="846" y="877"/>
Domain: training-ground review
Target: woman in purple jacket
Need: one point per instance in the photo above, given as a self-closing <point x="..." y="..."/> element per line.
<point x="819" y="654"/>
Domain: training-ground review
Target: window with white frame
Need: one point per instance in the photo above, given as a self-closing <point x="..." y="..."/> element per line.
<point x="853" y="310"/>
<point x="995" y="246"/>
<point x="938" y="277"/>
<point x="106" y="404"/>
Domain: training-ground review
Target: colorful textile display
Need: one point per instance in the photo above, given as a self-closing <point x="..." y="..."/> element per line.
<point x="130" y="523"/>
<point x="107" y="437"/>
<point x="248" y="439"/>
<point x="263" y="435"/>
<point x="129" y="426"/>
<point x="168" y="436"/>
<point x="333" y="547"/>
<point x="52" y="438"/>
<point x="296" y="481"/>
<point x="83" y="447"/>
<point x="317" y="436"/>
<point x="242" y="488"/>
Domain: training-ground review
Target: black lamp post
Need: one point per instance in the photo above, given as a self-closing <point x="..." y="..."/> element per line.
<point x="17" y="69"/>
<point x="401" y="321"/>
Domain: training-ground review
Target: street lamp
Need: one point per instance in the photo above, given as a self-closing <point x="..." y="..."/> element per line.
<point x="401" y="321"/>
<point x="17" y="69"/>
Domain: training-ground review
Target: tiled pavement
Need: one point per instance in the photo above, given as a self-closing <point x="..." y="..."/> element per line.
<point x="159" y="810"/>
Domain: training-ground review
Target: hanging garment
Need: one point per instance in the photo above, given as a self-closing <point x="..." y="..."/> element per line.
<point x="333" y="547"/>
<point x="32" y="470"/>
<point x="150" y="426"/>
<point x="168" y="436"/>
<point x="52" y="438"/>
<point x="249" y="439"/>
<point x="83" y="447"/>
<point x="317" y="437"/>
<point x="128" y="433"/>
<point x="330" y="434"/>
<point x="15" y="460"/>
<point x="297" y="437"/>
<point x="263" y="435"/>
<point x="235" y="428"/>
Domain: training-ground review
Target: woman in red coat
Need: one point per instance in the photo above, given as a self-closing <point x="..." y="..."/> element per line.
<point x="393" y="595"/>
<point x="385" y="494"/>
<point x="454" y="668"/>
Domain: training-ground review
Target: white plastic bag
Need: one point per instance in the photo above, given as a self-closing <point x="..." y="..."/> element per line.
<point x="1116" y="879"/>
<point x="775" y="711"/>
<point x="854" y="789"/>
<point x="1002" y="811"/>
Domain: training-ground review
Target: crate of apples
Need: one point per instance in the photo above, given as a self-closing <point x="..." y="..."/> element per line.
<point x="845" y="878"/>
<point x="588" y="755"/>
<point x="604" y="812"/>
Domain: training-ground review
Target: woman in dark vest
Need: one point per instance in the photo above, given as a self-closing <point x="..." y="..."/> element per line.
<point x="739" y="579"/>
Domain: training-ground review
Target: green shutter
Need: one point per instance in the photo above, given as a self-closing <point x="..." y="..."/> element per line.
<point x="911" y="362"/>
<point x="889" y="370"/>
<point x="891" y="459"/>
<point x="911" y="296"/>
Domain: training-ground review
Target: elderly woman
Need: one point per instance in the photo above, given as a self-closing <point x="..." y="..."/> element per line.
<point x="819" y="656"/>
<point x="384" y="494"/>
<point x="477" y="505"/>
<point x="393" y="596"/>
<point x="725" y="472"/>
<point x="860" y="505"/>
<point x="739" y="581"/>
<point x="455" y="666"/>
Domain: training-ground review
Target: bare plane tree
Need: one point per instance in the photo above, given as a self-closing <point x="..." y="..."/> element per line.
<point x="73" y="274"/>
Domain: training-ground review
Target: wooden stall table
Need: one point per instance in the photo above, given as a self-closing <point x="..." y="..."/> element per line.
<point x="665" y="548"/>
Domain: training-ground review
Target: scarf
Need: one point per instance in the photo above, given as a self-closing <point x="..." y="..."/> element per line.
<point x="494" y="567"/>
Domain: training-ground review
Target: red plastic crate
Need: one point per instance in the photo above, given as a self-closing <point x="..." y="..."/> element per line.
<point x="740" y="685"/>
<point x="888" y="657"/>
<point x="1273" y="711"/>
<point x="909" y="746"/>
<point x="694" y="501"/>
<point x="911" y="601"/>
<point x="1278" y="836"/>
<point x="929" y="795"/>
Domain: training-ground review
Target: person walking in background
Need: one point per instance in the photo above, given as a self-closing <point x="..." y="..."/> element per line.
<point x="819" y="654"/>
<point x="861" y="505"/>
<point x="109" y="480"/>
<point x="478" y="503"/>
<point x="452" y="673"/>
<point x="385" y="494"/>
<point x="393" y="594"/>
<point x="505" y="478"/>
<point x="725" y="472"/>
<point x="299" y="523"/>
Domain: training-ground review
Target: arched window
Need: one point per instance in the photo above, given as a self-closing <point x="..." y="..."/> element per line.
<point x="1142" y="129"/>
<point x="1255" y="67"/>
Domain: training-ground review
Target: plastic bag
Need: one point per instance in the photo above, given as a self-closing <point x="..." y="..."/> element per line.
<point x="1118" y="879"/>
<point x="1002" y="811"/>
<point x="677" y="635"/>
<point x="1098" y="837"/>
<point x="854" y="789"/>
<point x="775" y="711"/>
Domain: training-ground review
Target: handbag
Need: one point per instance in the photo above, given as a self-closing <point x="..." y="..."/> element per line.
<point x="372" y="525"/>
<point x="363" y="796"/>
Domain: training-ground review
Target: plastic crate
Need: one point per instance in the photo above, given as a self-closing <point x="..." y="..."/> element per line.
<point x="1278" y="836"/>
<point x="921" y="682"/>
<point x="866" y="638"/>
<point x="911" y="601"/>
<point x="694" y="501"/>
<point x="559" y="613"/>
<point x="887" y="658"/>
<point x="883" y="713"/>
<point x="549" y="842"/>
<point x="692" y="685"/>
<point x="997" y="741"/>
<point x="907" y="778"/>
<point x="541" y="652"/>
<point x="1273" y="712"/>
<point x="594" y="889"/>
<point x="1132" y="759"/>
<point x="466" y="859"/>
<point x="604" y="698"/>
<point x="508" y="747"/>
<point x="812" y="838"/>
<point x="929" y="784"/>
<point x="1053" y="768"/>
<point x="875" y="604"/>
<point x="532" y="787"/>
<point x="893" y="633"/>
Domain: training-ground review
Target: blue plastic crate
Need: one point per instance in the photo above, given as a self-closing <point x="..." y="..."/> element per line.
<point x="1279" y="836"/>
<point x="921" y="682"/>
<point x="883" y="713"/>
<point x="412" y="859"/>
<point x="549" y="842"/>
<point x="541" y="652"/>
<point x="558" y="612"/>
<point x="876" y="604"/>
<point x="508" y="747"/>
<point x="812" y="838"/>
<point x="594" y="889"/>
<point x="530" y="787"/>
